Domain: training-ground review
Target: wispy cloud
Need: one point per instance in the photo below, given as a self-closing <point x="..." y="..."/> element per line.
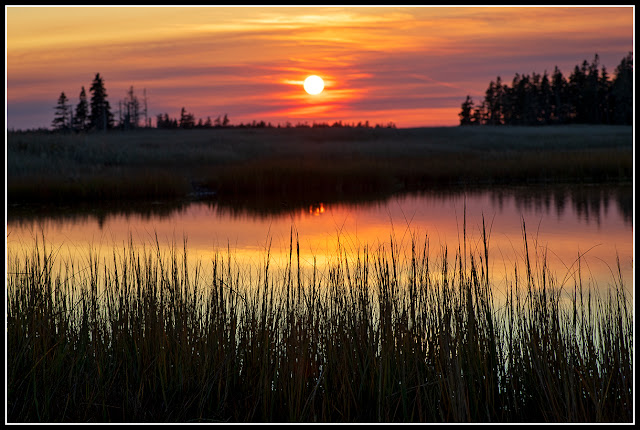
<point x="250" y="62"/>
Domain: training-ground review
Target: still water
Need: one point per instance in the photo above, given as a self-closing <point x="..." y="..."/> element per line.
<point x="591" y="224"/>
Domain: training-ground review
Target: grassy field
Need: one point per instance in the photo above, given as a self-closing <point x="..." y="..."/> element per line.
<point x="298" y="162"/>
<point x="391" y="335"/>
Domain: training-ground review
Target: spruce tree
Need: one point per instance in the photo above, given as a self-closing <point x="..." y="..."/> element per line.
<point x="466" y="111"/>
<point x="62" y="118"/>
<point x="101" y="117"/>
<point x="81" y="119"/>
<point x="622" y="92"/>
<point x="187" y="120"/>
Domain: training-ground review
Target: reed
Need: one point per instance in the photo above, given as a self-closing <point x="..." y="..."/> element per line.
<point x="385" y="334"/>
<point x="339" y="162"/>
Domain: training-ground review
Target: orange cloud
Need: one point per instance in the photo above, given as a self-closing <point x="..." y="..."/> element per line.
<point x="420" y="62"/>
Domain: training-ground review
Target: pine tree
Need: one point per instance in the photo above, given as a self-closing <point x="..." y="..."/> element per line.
<point x="588" y="97"/>
<point x="81" y="119"/>
<point x="622" y="91"/>
<point x="546" y="97"/>
<point x="101" y="117"/>
<point x="559" y="103"/>
<point x="62" y="118"/>
<point x="577" y="91"/>
<point x="490" y="102"/>
<point x="187" y="120"/>
<point x="604" y="97"/>
<point x="466" y="111"/>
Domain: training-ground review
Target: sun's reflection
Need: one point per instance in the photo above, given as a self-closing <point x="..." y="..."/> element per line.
<point x="319" y="232"/>
<point x="316" y="209"/>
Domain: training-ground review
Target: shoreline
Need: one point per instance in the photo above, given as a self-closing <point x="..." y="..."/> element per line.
<point x="294" y="163"/>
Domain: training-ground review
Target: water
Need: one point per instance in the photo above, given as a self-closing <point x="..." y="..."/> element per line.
<point x="591" y="224"/>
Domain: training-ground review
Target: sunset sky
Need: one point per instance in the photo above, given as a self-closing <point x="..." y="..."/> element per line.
<point x="410" y="65"/>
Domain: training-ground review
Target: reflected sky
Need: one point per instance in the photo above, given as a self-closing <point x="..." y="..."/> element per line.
<point x="563" y="224"/>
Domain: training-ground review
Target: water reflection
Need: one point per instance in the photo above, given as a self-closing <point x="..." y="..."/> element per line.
<point x="588" y="203"/>
<point x="316" y="209"/>
<point x="592" y="224"/>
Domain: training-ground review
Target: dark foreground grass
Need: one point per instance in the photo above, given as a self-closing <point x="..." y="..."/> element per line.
<point x="391" y="335"/>
<point x="340" y="162"/>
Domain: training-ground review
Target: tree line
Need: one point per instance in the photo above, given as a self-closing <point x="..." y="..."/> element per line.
<point x="587" y="96"/>
<point x="95" y="114"/>
<point x="186" y="120"/>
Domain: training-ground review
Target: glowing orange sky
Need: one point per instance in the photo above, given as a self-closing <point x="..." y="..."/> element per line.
<point x="413" y="66"/>
<point x="562" y="235"/>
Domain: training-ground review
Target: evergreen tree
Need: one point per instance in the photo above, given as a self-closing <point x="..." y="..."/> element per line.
<point x="577" y="86"/>
<point x="588" y="97"/>
<point x="187" y="120"/>
<point x="622" y="92"/>
<point x="533" y="106"/>
<point x="594" y="114"/>
<point x="62" y="118"/>
<point x="81" y="119"/>
<point x="490" y="101"/>
<point x="545" y="98"/>
<point x="604" y="97"/>
<point x="465" y="113"/>
<point x="101" y="117"/>
<point x="559" y="105"/>
<point x="499" y="100"/>
<point x="476" y="119"/>
<point x="519" y="99"/>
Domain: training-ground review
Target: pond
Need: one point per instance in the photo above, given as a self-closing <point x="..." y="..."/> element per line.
<point x="585" y="227"/>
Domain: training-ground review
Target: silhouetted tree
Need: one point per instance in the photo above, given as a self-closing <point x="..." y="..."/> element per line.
<point x="187" y="120"/>
<point x="62" y="118"/>
<point x="164" y="121"/>
<point x="545" y="99"/>
<point x="604" y="97"/>
<point x="622" y="91"/>
<point x="81" y="118"/>
<point x="466" y="112"/>
<point x="130" y="111"/>
<point x="588" y="96"/>
<point x="577" y="84"/>
<point x="101" y="117"/>
<point x="492" y="100"/>
<point x="559" y="102"/>
<point x="593" y="115"/>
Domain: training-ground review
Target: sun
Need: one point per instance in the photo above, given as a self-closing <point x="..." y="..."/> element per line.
<point x="313" y="84"/>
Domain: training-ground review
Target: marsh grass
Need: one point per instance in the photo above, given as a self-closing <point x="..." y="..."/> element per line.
<point x="390" y="334"/>
<point x="342" y="162"/>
